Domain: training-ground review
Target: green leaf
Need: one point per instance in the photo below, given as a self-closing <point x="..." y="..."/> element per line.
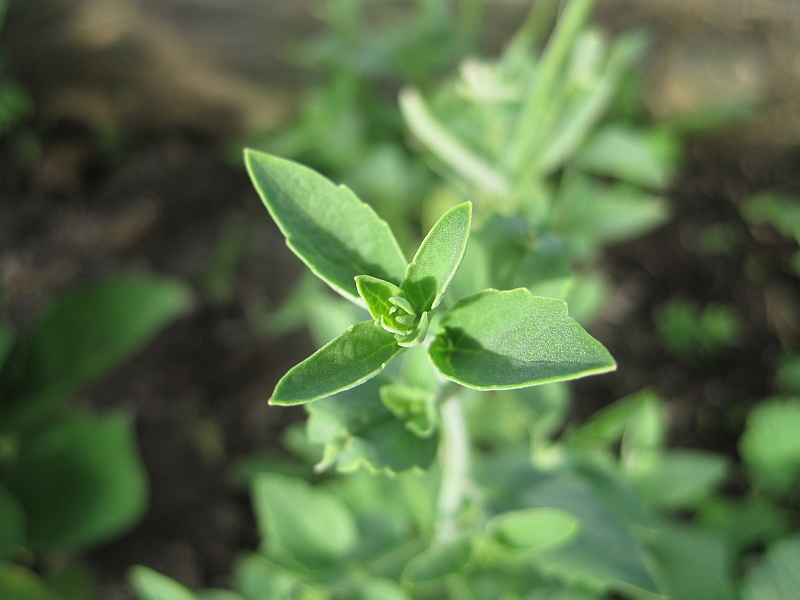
<point x="376" y="294"/>
<point x="74" y="581"/>
<point x="88" y="333"/>
<point x="437" y="259"/>
<point x="19" y="583"/>
<point x="589" y="214"/>
<point x="438" y="560"/>
<point x="256" y="578"/>
<point x="681" y="478"/>
<point x="6" y="343"/>
<point x="603" y="553"/>
<point x="691" y="564"/>
<point x="218" y="594"/>
<point x="503" y="340"/>
<point x="378" y="588"/>
<point x="535" y="528"/>
<point x="608" y="424"/>
<point x="358" y="429"/>
<point x="413" y="405"/>
<point x="307" y="523"/>
<point x="745" y="523"/>
<point x="327" y="226"/>
<point x="779" y="210"/>
<point x="630" y="155"/>
<point x="80" y="483"/>
<point x="148" y="584"/>
<point x="770" y="444"/>
<point x="12" y="523"/>
<point x="357" y="355"/>
<point x="788" y="375"/>
<point x="777" y="577"/>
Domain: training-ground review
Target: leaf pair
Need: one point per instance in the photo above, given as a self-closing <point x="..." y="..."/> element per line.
<point x="490" y="340"/>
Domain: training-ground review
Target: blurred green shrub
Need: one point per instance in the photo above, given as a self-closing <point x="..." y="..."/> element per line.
<point x="71" y="479"/>
<point x="689" y="331"/>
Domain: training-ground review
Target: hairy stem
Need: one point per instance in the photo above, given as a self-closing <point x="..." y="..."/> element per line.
<point x="454" y="464"/>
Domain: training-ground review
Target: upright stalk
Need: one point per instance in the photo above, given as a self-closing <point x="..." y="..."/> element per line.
<point x="454" y="465"/>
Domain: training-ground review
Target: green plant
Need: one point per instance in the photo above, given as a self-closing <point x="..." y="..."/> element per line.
<point x="689" y="331"/>
<point x="491" y="340"/>
<point x="600" y="509"/>
<point x="70" y="479"/>
<point x="781" y="212"/>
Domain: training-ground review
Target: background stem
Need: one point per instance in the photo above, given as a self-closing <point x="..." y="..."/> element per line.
<point x="454" y="464"/>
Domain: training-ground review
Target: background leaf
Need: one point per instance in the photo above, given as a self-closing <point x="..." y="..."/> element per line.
<point x="88" y="333"/>
<point x="19" y="583"/>
<point x="778" y="576"/>
<point x="148" y="584"/>
<point x="770" y="445"/>
<point x="357" y="355"/>
<point x="692" y="564"/>
<point x="12" y="523"/>
<point x="307" y="523"/>
<point x="438" y="560"/>
<point x="535" y="528"/>
<point x="327" y="226"/>
<point x="80" y="482"/>
<point x="500" y="340"/>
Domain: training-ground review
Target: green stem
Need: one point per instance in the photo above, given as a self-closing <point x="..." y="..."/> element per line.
<point x="454" y="465"/>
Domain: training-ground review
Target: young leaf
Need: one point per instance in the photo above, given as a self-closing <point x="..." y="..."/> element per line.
<point x="308" y="523"/>
<point x="327" y="226"/>
<point x="358" y="354"/>
<point x="413" y="405"/>
<point x="376" y="294"/>
<point x="437" y="259"/>
<point x="502" y="340"/>
<point x="358" y="430"/>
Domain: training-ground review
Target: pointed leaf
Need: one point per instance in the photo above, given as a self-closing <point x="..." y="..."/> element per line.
<point x="502" y="340"/>
<point x="358" y="354"/>
<point x="437" y="259"/>
<point x="376" y="294"/>
<point x="326" y="225"/>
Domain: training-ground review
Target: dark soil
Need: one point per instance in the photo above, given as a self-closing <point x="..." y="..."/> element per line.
<point x="198" y="393"/>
